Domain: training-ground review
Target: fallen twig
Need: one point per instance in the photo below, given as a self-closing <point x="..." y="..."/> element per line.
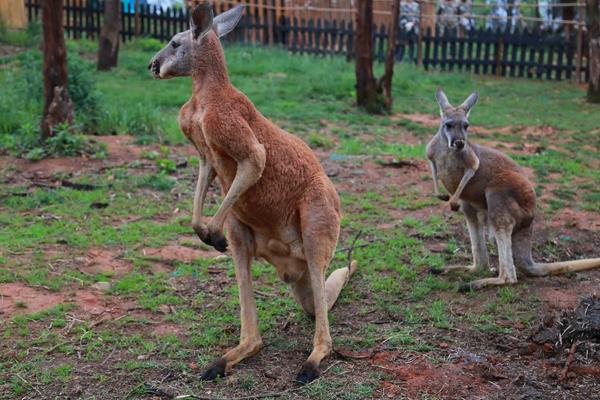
<point x="109" y="356"/>
<point x="569" y="361"/>
<point x="351" y="248"/>
<point x="29" y="384"/>
<point x="399" y="164"/>
<point x="78" y="186"/>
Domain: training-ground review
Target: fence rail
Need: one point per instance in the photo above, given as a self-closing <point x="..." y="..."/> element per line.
<point x="521" y="53"/>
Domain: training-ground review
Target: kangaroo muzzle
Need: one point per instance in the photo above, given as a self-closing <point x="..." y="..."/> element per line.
<point x="458" y="144"/>
<point x="154" y="68"/>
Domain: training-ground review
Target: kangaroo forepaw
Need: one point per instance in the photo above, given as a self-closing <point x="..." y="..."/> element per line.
<point x="436" y="271"/>
<point x="466" y="288"/>
<point x="443" y="197"/>
<point x="454" y="206"/>
<point x="215" y="370"/>
<point x="217" y="240"/>
<point x="307" y="374"/>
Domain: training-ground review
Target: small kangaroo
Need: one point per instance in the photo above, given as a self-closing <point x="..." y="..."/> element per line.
<point x="278" y="202"/>
<point x="490" y="188"/>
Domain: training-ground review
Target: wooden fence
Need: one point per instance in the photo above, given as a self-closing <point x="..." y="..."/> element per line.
<point x="527" y="54"/>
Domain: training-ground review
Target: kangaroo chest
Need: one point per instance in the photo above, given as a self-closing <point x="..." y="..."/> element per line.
<point x="190" y="123"/>
<point x="450" y="169"/>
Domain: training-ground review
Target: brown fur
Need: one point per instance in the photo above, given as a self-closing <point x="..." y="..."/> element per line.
<point x="496" y="192"/>
<point x="279" y="204"/>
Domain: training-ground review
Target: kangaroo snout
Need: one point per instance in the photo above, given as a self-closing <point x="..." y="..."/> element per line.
<point x="459" y="144"/>
<point x="154" y="67"/>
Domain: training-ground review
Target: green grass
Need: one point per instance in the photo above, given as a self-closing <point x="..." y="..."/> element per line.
<point x="392" y="303"/>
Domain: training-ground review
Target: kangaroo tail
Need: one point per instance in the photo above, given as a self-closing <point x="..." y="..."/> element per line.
<point x="564" y="267"/>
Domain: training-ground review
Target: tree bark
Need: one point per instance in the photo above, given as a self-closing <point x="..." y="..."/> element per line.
<point x="593" y="17"/>
<point x="366" y="86"/>
<point x="58" y="107"/>
<point x="108" y="47"/>
<point x="386" y="79"/>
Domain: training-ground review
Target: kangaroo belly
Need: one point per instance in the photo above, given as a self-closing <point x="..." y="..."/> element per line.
<point x="284" y="252"/>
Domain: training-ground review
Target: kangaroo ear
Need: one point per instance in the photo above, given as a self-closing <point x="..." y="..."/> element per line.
<point x="225" y="22"/>
<point x="469" y="102"/>
<point x="442" y="100"/>
<point x="201" y="19"/>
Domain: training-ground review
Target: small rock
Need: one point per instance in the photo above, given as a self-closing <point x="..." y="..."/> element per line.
<point x="103" y="286"/>
<point x="443" y="345"/>
<point x="164" y="308"/>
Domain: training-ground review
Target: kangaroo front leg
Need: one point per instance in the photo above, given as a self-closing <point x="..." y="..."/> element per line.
<point x="248" y="173"/>
<point x="473" y="161"/>
<point x="242" y="246"/>
<point x="454" y="205"/>
<point x="436" y="187"/>
<point x="206" y="174"/>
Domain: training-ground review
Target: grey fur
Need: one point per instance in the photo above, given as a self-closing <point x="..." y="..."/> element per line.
<point x="175" y="58"/>
<point x="489" y="188"/>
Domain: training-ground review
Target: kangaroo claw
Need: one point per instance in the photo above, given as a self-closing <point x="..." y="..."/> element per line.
<point x="217" y="240"/>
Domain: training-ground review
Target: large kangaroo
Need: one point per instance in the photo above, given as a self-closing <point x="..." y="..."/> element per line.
<point x="488" y="187"/>
<point x="278" y="204"/>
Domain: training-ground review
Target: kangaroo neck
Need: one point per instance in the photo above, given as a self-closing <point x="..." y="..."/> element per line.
<point x="209" y="69"/>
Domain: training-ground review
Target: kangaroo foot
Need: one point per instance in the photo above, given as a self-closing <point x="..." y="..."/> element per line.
<point x="308" y="373"/>
<point x="443" y="197"/>
<point x="215" y="370"/>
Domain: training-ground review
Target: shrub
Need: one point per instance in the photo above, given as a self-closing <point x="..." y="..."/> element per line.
<point x="28" y="37"/>
<point x="146" y="44"/>
<point x="21" y="106"/>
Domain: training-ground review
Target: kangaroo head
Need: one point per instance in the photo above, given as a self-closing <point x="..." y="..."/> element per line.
<point x="175" y="59"/>
<point x="454" y="121"/>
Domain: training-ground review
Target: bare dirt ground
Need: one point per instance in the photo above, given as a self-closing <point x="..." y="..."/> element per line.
<point x="461" y="363"/>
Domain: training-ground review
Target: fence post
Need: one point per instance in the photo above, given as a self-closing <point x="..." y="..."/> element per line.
<point x="136" y="18"/>
<point x="499" y="49"/>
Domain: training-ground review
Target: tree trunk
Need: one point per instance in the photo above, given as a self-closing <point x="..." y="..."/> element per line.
<point x="386" y="79"/>
<point x="593" y="17"/>
<point x="108" y="47"/>
<point x="58" y="107"/>
<point x="366" y="86"/>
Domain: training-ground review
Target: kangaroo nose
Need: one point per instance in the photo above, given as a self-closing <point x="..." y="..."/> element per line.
<point x="154" y="67"/>
<point x="459" y="144"/>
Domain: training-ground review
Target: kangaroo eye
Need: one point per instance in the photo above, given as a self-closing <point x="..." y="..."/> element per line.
<point x="448" y="125"/>
<point x="466" y="125"/>
<point x="175" y="45"/>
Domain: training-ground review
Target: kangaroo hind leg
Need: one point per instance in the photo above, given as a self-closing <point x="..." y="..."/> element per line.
<point x="242" y="246"/>
<point x="320" y="230"/>
<point x="502" y="222"/>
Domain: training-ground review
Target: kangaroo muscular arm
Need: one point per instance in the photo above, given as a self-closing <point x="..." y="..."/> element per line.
<point x="436" y="188"/>
<point x="430" y="155"/>
<point x="473" y="164"/>
<point x="240" y="143"/>
<point x="206" y="174"/>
